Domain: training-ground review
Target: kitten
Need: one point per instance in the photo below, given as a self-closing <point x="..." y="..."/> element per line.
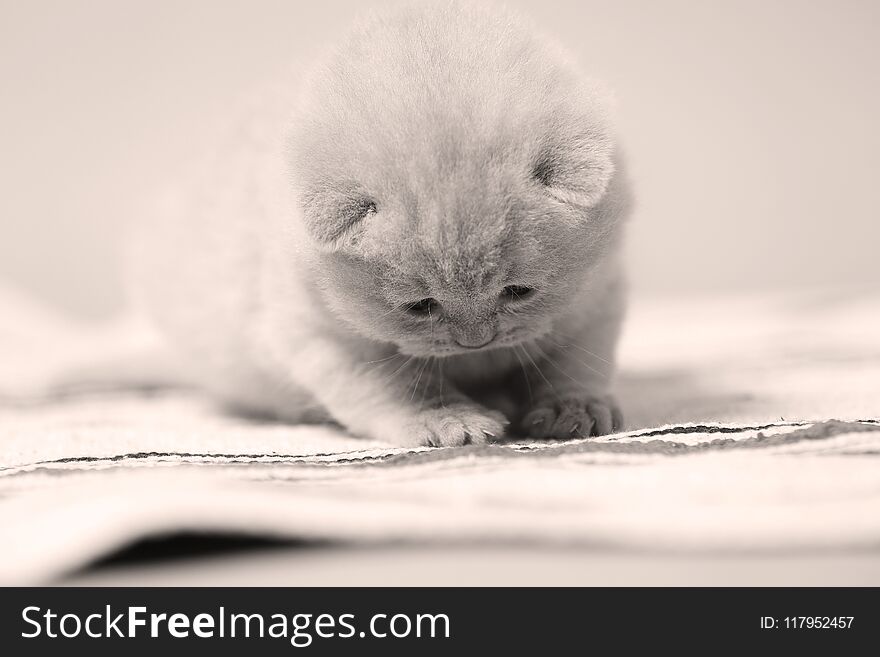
<point x="429" y="251"/>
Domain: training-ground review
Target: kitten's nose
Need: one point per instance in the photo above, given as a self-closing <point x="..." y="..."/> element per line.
<point x="474" y="336"/>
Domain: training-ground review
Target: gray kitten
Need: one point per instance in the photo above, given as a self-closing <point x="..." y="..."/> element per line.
<point x="421" y="241"/>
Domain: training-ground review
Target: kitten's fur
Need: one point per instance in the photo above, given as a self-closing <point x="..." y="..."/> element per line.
<point x="442" y="152"/>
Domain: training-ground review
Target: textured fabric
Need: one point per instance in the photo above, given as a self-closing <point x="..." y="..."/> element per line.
<point x="753" y="425"/>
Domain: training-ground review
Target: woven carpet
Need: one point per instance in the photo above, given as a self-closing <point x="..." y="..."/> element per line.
<point x="753" y="426"/>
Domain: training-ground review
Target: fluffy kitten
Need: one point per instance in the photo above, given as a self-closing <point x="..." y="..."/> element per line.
<point x="430" y="251"/>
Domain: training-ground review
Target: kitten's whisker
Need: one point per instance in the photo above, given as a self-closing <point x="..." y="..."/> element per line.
<point x="433" y="363"/>
<point x="571" y="343"/>
<point x="522" y="366"/>
<point x="410" y="385"/>
<point x="431" y="319"/>
<point x="595" y="370"/>
<point x="442" y="403"/>
<point x="535" y="365"/>
<point x="388" y="379"/>
<point x="383" y="363"/>
<point x="550" y="360"/>
<point x="385" y="314"/>
<point x="418" y="379"/>
<point x="382" y="360"/>
<point x="590" y="353"/>
<point x="577" y="360"/>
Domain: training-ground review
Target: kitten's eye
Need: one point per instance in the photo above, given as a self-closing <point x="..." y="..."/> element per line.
<point x="422" y="308"/>
<point x="517" y="293"/>
<point x="544" y="171"/>
<point x="361" y="208"/>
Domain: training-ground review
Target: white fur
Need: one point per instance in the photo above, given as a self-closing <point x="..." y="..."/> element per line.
<point x="442" y="151"/>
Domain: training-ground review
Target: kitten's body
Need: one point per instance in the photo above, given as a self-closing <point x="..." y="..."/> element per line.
<point x="285" y="288"/>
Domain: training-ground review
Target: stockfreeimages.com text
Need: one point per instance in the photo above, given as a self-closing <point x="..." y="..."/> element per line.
<point x="301" y="629"/>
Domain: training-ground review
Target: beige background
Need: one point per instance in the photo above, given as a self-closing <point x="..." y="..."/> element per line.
<point x="752" y="127"/>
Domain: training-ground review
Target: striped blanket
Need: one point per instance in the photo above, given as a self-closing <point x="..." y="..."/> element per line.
<point x="754" y="425"/>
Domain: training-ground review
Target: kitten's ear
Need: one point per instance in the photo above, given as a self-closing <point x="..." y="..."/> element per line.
<point x="335" y="214"/>
<point x="575" y="171"/>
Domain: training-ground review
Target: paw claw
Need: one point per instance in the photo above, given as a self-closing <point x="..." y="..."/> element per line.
<point x="577" y="415"/>
<point x="451" y="426"/>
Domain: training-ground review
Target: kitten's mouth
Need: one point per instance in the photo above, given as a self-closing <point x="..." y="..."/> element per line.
<point x="457" y="349"/>
<point x="475" y="346"/>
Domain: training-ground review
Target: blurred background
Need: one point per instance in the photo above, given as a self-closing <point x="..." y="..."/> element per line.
<point x="751" y="127"/>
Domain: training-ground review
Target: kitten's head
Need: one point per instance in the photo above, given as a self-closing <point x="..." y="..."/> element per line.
<point x="456" y="179"/>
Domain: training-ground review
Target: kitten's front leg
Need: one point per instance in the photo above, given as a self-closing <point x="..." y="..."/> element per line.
<point x="570" y="391"/>
<point x="393" y="399"/>
<point x="573" y="414"/>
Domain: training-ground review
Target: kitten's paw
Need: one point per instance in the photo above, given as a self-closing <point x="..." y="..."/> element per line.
<point x="456" y="424"/>
<point x="573" y="416"/>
